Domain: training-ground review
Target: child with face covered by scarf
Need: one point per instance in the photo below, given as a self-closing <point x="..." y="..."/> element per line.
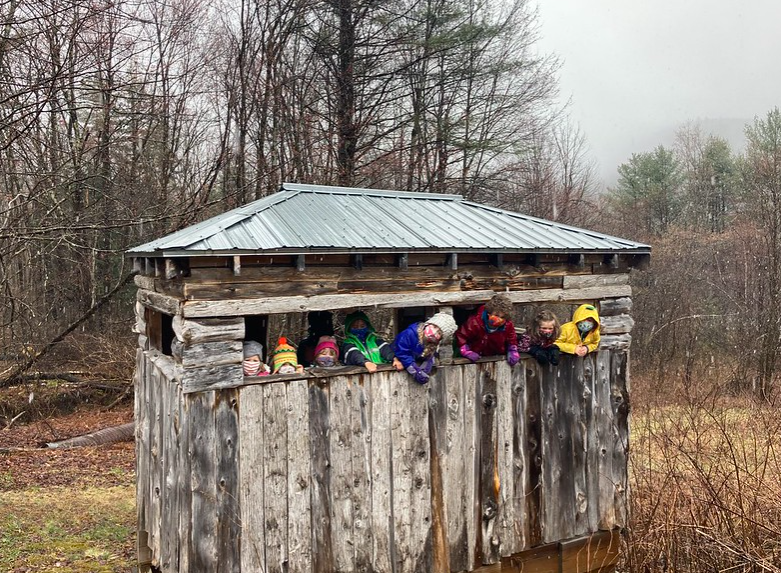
<point x="489" y="332"/>
<point x="253" y="359"/>
<point x="539" y="340"/>
<point x="362" y="346"/>
<point x="581" y="335"/>
<point x="416" y="346"/>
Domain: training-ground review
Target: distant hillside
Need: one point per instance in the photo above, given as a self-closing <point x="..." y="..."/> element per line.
<point x="730" y="129"/>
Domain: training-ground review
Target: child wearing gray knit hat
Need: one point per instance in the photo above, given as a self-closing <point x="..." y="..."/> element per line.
<point x="252" y="365"/>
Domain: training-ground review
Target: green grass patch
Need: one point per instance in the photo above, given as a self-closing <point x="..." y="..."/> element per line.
<point x="88" y="530"/>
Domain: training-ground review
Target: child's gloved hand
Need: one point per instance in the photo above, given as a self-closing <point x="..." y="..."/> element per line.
<point x="512" y="355"/>
<point x="428" y="365"/>
<point x="539" y="354"/>
<point x="417" y="374"/>
<point x="467" y="353"/>
<point x="553" y="355"/>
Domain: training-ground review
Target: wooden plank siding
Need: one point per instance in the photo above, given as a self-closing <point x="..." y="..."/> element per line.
<point x="358" y="472"/>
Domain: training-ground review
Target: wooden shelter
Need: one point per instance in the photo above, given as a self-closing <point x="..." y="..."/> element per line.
<point x="486" y="468"/>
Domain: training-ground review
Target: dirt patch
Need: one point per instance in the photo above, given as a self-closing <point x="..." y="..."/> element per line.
<point x="24" y="463"/>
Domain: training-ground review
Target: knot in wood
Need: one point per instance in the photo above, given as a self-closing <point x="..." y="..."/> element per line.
<point x="489" y="509"/>
<point x="489" y="400"/>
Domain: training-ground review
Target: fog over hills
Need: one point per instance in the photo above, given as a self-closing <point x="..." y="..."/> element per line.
<point x="609" y="158"/>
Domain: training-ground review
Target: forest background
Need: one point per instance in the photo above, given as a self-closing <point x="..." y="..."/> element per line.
<point x="124" y="120"/>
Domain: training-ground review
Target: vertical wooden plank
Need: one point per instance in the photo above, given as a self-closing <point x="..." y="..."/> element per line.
<point x="167" y="529"/>
<point x="203" y="548"/>
<point x="361" y="466"/>
<point x="454" y="469"/>
<point x="141" y="405"/>
<point x="183" y="480"/>
<point x="437" y="424"/>
<point x="275" y="476"/>
<point x="592" y="423"/>
<point x="505" y="427"/>
<point x="381" y="490"/>
<point x="533" y="423"/>
<point x="619" y="390"/>
<point x="299" y="478"/>
<point x="472" y="413"/>
<point x="488" y="460"/>
<point x="521" y="462"/>
<point x="402" y="477"/>
<point x="579" y="415"/>
<point x="601" y="444"/>
<point x="556" y="497"/>
<point x="341" y="443"/>
<point x="251" y="470"/>
<point x="319" y="416"/>
<point x="227" y="445"/>
<point x="420" y="487"/>
<point x="155" y="464"/>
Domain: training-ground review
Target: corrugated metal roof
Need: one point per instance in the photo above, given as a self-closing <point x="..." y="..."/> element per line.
<point x="316" y="218"/>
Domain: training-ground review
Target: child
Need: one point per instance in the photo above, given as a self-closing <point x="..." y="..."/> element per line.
<point x="285" y="360"/>
<point x="416" y="346"/>
<point x="320" y="324"/>
<point x="253" y="359"/>
<point x="489" y="332"/>
<point x="581" y="335"/>
<point x="362" y="346"/>
<point x="539" y="341"/>
<point x="326" y="352"/>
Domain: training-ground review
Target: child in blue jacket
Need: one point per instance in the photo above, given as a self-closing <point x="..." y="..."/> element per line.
<point x="416" y="346"/>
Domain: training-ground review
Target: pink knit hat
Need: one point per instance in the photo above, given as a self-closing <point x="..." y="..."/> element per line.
<point x="326" y="342"/>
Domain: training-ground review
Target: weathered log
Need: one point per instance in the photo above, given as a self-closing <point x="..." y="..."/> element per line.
<point x="615" y="306"/>
<point x="192" y="332"/>
<point x="615" y="342"/>
<point x="199" y="309"/>
<point x="586" y="281"/>
<point x="121" y="433"/>
<point x="620" y="324"/>
<point x="159" y="302"/>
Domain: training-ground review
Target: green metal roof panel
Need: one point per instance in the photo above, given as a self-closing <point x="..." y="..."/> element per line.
<point x="316" y="218"/>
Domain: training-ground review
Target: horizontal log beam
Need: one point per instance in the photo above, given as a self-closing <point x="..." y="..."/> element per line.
<point x="583" y="281"/>
<point x="203" y="309"/>
<point x="159" y="302"/>
<point x="619" y="324"/>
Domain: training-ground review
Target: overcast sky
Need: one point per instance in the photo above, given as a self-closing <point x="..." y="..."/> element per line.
<point x="636" y="70"/>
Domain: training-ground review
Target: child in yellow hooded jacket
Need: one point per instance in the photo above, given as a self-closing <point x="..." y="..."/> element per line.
<point x="581" y="335"/>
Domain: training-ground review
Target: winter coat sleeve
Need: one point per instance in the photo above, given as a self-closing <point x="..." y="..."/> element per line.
<point x="592" y="340"/>
<point x="469" y="332"/>
<point x="512" y="337"/>
<point x="405" y="345"/>
<point x="386" y="350"/>
<point x="569" y="338"/>
<point x="352" y="356"/>
<point x="524" y="343"/>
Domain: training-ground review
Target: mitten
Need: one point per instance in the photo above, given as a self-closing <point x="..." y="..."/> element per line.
<point x="553" y="355"/>
<point x="512" y="355"/>
<point x="467" y="353"/>
<point x="428" y="365"/>
<point x="417" y="374"/>
<point x="539" y="354"/>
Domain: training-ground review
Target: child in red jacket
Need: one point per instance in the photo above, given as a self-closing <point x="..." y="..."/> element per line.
<point x="489" y="332"/>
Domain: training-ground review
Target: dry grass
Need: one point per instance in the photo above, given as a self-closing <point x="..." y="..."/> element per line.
<point x="706" y="489"/>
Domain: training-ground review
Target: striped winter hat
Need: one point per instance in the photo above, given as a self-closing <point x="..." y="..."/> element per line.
<point x="284" y="353"/>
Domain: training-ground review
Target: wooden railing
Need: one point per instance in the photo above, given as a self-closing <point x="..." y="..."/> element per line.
<point x="360" y="472"/>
